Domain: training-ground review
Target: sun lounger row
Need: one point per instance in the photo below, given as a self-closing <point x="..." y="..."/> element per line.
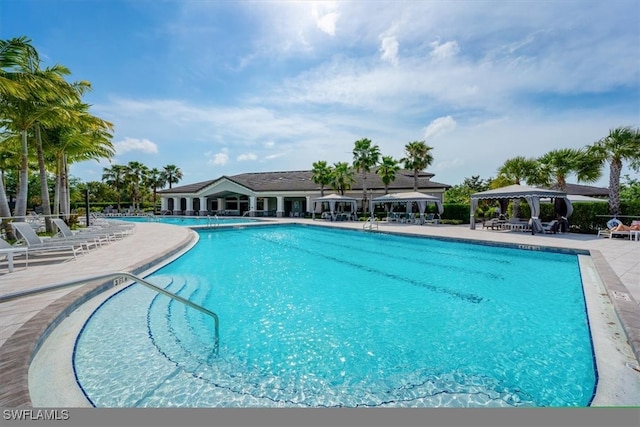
<point x="66" y="243"/>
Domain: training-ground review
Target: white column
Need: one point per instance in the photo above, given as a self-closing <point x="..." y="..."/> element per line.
<point x="252" y="205"/>
<point x="266" y="204"/>
<point x="176" y="204"/>
<point x="221" y="205"/>
<point x="189" y="205"/>
<point x="164" y="202"/>
<point x="309" y="204"/>
<point x="203" y="205"/>
<point x="280" y="207"/>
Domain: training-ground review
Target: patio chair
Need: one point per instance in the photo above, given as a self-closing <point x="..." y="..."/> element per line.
<point x="98" y="236"/>
<point x="36" y="244"/>
<point x="431" y="219"/>
<point x="552" y="227"/>
<point x="9" y="252"/>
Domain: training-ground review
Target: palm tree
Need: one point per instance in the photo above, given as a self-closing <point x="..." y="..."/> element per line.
<point x="622" y="144"/>
<point x="321" y="175"/>
<point x="342" y="177"/>
<point x="557" y="165"/>
<point x="155" y="180"/>
<point x="172" y="174"/>
<point x="20" y="114"/>
<point x="15" y="56"/>
<point x="115" y="177"/>
<point x="516" y="170"/>
<point x="136" y="174"/>
<point x="43" y="100"/>
<point x="365" y="156"/>
<point x="387" y="171"/>
<point x="417" y="158"/>
<point x="83" y="137"/>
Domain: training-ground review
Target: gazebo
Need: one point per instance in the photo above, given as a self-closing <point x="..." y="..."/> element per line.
<point x="531" y="194"/>
<point x="332" y="199"/>
<point x="413" y="196"/>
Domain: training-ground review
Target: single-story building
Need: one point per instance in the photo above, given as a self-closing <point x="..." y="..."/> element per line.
<point x="288" y="193"/>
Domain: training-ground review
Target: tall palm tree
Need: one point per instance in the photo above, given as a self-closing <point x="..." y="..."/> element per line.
<point x="387" y="171"/>
<point x="557" y="165"/>
<point x="516" y="170"/>
<point x="82" y="137"/>
<point x="155" y="180"/>
<point x="15" y="56"/>
<point x="136" y="174"/>
<point x="321" y="174"/>
<point x="417" y="158"/>
<point x="21" y="114"/>
<point x="622" y="144"/>
<point x="342" y="177"/>
<point x="172" y="174"/>
<point x="365" y="156"/>
<point x="115" y="177"/>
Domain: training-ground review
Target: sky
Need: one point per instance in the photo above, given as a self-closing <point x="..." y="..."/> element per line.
<point x="227" y="87"/>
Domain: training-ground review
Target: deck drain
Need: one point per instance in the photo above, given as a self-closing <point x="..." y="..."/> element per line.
<point x="621" y="295"/>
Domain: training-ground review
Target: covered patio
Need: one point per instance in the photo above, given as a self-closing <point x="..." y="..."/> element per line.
<point x="408" y="199"/>
<point x="335" y="201"/>
<point x="532" y="195"/>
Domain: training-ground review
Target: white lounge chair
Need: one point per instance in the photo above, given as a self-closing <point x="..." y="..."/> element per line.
<point x="95" y="235"/>
<point x="10" y="251"/>
<point x="36" y="244"/>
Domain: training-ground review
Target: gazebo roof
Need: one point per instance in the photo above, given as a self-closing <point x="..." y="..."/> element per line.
<point x="517" y="191"/>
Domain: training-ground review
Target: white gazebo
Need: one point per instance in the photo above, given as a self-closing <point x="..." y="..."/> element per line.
<point x="531" y="194"/>
<point x="410" y="197"/>
<point x="333" y="199"/>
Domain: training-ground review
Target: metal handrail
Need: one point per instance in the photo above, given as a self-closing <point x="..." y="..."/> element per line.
<point x="115" y="276"/>
<point x="370" y="221"/>
<point x="215" y="218"/>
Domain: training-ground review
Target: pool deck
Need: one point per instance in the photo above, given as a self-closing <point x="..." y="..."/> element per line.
<point x="25" y="323"/>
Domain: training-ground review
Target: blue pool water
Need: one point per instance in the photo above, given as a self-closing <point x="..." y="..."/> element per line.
<point x="320" y="317"/>
<point x="188" y="220"/>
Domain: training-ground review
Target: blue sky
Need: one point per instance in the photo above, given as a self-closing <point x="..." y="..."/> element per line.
<point x="225" y="87"/>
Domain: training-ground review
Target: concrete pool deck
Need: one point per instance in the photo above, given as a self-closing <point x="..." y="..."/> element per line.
<point x="611" y="278"/>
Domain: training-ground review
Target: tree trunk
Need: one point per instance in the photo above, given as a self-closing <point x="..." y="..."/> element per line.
<point x="365" y="206"/>
<point x="44" y="188"/>
<point x="415" y="180"/>
<point x="5" y="212"/>
<point x="614" y="186"/>
<point x="23" y="186"/>
<point x="64" y="189"/>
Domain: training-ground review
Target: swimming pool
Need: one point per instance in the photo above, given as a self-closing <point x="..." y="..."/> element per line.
<point x="189" y="221"/>
<point x="322" y="317"/>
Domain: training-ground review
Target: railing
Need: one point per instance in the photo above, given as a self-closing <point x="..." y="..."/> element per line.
<point x="215" y="219"/>
<point x="369" y="223"/>
<point x="116" y="279"/>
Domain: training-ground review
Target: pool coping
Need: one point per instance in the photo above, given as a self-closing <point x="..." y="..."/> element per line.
<point x="18" y="351"/>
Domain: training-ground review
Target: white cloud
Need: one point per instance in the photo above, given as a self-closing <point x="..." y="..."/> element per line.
<point x="220" y="158"/>
<point x="274" y="156"/>
<point x="246" y="156"/>
<point x="326" y="21"/>
<point x="134" y="144"/>
<point x="444" y="50"/>
<point x="389" y="48"/>
<point x="439" y="126"/>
